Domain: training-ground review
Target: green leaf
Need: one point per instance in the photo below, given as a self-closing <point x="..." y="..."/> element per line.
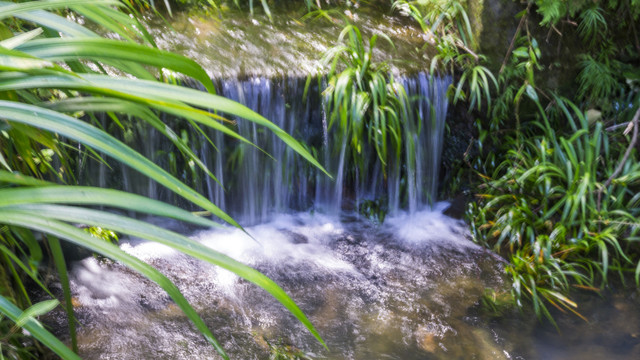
<point x="62" y="49"/>
<point x="36" y="329"/>
<point x="20" y="179"/>
<point x="101" y="141"/>
<point x="95" y="104"/>
<point x="4" y="163"/>
<point x="18" y="63"/>
<point x="63" y="194"/>
<point x="19" y="39"/>
<point x="54" y="22"/>
<point x="15" y="9"/>
<point x="531" y="93"/>
<point x="36" y="310"/>
<point x="61" y="266"/>
<point x="181" y="243"/>
<point x="81" y="238"/>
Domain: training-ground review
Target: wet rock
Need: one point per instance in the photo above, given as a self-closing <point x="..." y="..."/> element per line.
<point x="458" y="207"/>
<point x="369" y="293"/>
<point x="427" y="340"/>
<point x="295" y="237"/>
<point x="237" y="46"/>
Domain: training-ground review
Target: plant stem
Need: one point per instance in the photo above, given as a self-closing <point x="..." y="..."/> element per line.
<point x="627" y="153"/>
<point x="513" y="40"/>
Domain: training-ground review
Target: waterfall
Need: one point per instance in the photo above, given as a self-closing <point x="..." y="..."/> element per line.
<point x="431" y="105"/>
<point x="255" y="181"/>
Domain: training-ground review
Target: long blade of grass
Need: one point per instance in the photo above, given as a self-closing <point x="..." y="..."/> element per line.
<point x="81" y="238"/>
<point x="31" y="273"/>
<point x="37" y="330"/>
<point x="95" y="104"/>
<point x="63" y="194"/>
<point x="63" y="49"/>
<point x="181" y="243"/>
<point x="99" y="140"/>
<point x="36" y="310"/>
<point x="14" y="9"/>
<point x="20" y="179"/>
<point x="61" y="266"/>
<point x="53" y="22"/>
<point x="20" y="39"/>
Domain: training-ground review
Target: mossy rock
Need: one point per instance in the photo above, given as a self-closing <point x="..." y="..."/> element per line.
<point x="496" y="23"/>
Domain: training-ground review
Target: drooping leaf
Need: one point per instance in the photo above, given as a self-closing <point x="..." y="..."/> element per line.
<point x="83" y="239"/>
<point x="101" y="141"/>
<point x="36" y="329"/>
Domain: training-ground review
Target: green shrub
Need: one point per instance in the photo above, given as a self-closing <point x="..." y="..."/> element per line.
<point x="551" y="210"/>
<point x="54" y="85"/>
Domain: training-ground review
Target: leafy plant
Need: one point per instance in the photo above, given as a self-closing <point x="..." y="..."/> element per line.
<point x="104" y="234"/>
<point x="448" y="30"/>
<point x="374" y="210"/>
<point x="545" y="164"/>
<point x="363" y="100"/>
<point x="597" y="80"/>
<point x="540" y="207"/>
<point x="43" y="78"/>
<point x="279" y="351"/>
<point x="13" y="342"/>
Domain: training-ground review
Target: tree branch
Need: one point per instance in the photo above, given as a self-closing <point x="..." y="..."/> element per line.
<point x="513" y="40"/>
<point x="632" y="144"/>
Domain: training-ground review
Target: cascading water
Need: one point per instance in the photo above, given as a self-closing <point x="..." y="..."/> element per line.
<point x="284" y="180"/>
<point x="255" y="182"/>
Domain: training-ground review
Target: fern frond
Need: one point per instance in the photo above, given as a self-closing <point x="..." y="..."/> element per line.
<point x="551" y="11"/>
<point x="596" y="80"/>
<point x="592" y="25"/>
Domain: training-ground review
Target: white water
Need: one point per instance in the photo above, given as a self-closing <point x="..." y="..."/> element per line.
<point x="408" y="289"/>
<point x="398" y="291"/>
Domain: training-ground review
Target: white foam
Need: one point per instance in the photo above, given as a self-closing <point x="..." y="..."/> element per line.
<point x="430" y="225"/>
<point x="274" y="241"/>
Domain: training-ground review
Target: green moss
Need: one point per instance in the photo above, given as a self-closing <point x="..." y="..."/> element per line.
<point x="474" y="10"/>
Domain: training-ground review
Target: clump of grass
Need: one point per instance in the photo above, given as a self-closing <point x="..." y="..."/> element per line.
<point x="50" y="103"/>
<point x="281" y="351"/>
<point x="364" y="102"/>
<point x="559" y="211"/>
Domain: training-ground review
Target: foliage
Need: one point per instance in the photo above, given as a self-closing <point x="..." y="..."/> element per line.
<point x="448" y="30"/>
<point x="364" y="101"/>
<point x="597" y="80"/>
<point x="374" y="210"/>
<point x="13" y="340"/>
<point x="540" y="208"/>
<point x="371" y="121"/>
<point x="104" y="234"/>
<point x="280" y="351"/>
<point x="557" y="194"/>
<point x="539" y="201"/>
<point x="610" y="43"/>
<point x="54" y="71"/>
<point x="552" y="11"/>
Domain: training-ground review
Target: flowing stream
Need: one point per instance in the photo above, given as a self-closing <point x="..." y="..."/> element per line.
<point x="409" y="288"/>
<point x="402" y="291"/>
